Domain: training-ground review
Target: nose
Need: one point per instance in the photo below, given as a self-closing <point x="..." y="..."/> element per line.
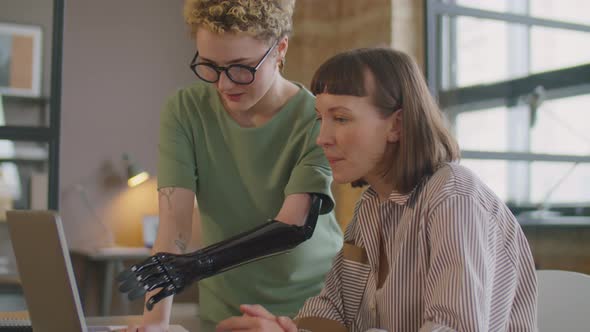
<point x="224" y="83"/>
<point x="325" y="138"/>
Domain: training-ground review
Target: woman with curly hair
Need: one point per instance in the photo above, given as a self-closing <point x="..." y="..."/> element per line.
<point x="241" y="140"/>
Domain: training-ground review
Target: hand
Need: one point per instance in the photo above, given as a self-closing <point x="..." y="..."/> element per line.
<point x="257" y="310"/>
<point x="256" y="318"/>
<point x="170" y="272"/>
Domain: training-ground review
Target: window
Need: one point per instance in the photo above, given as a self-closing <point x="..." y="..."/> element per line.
<point x="513" y="78"/>
<point x="29" y="123"/>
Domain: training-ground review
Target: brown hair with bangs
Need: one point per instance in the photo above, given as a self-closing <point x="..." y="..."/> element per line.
<point x="425" y="142"/>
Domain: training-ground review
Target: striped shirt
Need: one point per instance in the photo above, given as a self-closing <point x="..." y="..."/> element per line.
<point x="452" y="256"/>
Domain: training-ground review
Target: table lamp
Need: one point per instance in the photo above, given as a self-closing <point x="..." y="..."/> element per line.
<point x="135" y="175"/>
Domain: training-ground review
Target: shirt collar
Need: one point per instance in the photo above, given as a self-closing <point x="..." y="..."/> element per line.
<point x="394" y="197"/>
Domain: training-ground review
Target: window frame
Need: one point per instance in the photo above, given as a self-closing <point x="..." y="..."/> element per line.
<point x="440" y="41"/>
<point x="50" y="134"/>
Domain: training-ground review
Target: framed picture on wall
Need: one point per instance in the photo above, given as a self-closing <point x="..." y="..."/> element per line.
<point x="20" y="60"/>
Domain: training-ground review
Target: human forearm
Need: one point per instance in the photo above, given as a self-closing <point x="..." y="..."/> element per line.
<point x="176" y="215"/>
<point x="174" y="234"/>
<point x="165" y="242"/>
<point x="295" y="209"/>
<point x="160" y="314"/>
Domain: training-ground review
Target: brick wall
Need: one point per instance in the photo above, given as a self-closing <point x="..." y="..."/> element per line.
<point x="324" y="28"/>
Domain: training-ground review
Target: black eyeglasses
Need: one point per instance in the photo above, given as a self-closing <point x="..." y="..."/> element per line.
<point x="237" y="73"/>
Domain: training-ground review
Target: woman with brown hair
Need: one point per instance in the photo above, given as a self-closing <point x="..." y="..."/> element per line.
<point x="430" y="246"/>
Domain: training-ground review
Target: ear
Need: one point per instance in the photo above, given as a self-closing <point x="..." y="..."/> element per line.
<point x="395" y="126"/>
<point x="282" y="47"/>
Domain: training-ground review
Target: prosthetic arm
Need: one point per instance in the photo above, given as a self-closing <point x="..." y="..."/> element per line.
<point x="173" y="272"/>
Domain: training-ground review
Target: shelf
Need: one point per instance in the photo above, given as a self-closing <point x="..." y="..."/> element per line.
<point x="33" y="155"/>
<point x="559" y="221"/>
<point x="24" y="99"/>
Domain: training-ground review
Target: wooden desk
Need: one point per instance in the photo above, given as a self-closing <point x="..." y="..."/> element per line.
<point x="112" y="259"/>
<point x="10" y="282"/>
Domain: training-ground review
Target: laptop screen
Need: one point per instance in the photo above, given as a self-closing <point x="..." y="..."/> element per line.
<point x="45" y="270"/>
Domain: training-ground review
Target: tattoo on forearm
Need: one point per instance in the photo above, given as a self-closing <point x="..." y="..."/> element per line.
<point x="181" y="246"/>
<point x="167" y="192"/>
<point x="180" y="243"/>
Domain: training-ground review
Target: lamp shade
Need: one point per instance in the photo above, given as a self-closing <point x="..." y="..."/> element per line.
<point x="135" y="175"/>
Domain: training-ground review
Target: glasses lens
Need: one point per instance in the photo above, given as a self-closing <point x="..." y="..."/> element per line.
<point x="206" y="73"/>
<point x="240" y="74"/>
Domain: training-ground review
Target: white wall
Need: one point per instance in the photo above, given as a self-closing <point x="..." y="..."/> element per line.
<point x="121" y="59"/>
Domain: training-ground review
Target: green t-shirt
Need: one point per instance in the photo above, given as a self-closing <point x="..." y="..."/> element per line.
<point x="241" y="177"/>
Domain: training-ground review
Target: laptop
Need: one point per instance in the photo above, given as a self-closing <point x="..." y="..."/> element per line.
<point x="46" y="273"/>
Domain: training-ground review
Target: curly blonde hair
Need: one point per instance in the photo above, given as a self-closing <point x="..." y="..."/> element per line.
<point x="261" y="19"/>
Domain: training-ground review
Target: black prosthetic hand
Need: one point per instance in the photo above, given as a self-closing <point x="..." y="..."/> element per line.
<point x="173" y="273"/>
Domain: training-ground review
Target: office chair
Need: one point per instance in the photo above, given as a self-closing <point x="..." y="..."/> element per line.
<point x="564" y="301"/>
